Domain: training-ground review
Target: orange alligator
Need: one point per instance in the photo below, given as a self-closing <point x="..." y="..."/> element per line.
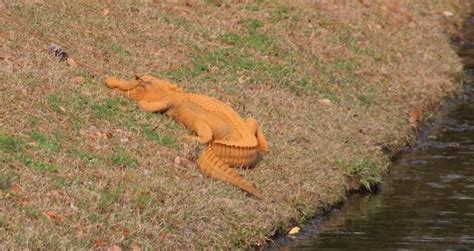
<point x="232" y="141"/>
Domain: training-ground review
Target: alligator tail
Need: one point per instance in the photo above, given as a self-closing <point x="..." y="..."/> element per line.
<point x="212" y="166"/>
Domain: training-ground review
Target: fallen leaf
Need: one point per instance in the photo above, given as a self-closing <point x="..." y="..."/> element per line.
<point x="294" y="230"/>
<point x="73" y="207"/>
<point x="51" y="215"/>
<point x="177" y="161"/>
<point x="164" y="235"/>
<point x="71" y="62"/>
<point x="107" y="135"/>
<point x="324" y="101"/>
<point x="16" y="189"/>
<point x="32" y="143"/>
<point x="78" y="80"/>
<point x="384" y="10"/>
<point x="136" y="247"/>
<point x="105" y="12"/>
<point x="213" y="70"/>
<point x="447" y="13"/>
<point x="115" y="248"/>
<point x="100" y="243"/>
<point x="125" y="232"/>
<point x="415" y="117"/>
<point x="79" y="231"/>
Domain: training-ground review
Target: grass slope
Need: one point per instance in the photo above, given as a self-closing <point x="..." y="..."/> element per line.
<point x="332" y="84"/>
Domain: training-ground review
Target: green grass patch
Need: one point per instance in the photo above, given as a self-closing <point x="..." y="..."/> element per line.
<point x="110" y="196"/>
<point x="119" y="50"/>
<point x="108" y="109"/>
<point x="85" y="155"/>
<point x="252" y="24"/>
<point x="230" y="38"/>
<point x="366" y="100"/>
<point x="31" y="212"/>
<point x="80" y="108"/>
<point x="143" y="199"/>
<point x="94" y="217"/>
<point x="173" y="20"/>
<point x="9" y="144"/>
<point x="7" y="177"/>
<point x="55" y="102"/>
<point x="351" y="37"/>
<point x="259" y="41"/>
<point x="251" y="7"/>
<point x="151" y="134"/>
<point x="281" y="13"/>
<point x="39" y="165"/>
<point x="88" y="78"/>
<point x="50" y="142"/>
<point x="3" y="220"/>
<point x="59" y="182"/>
<point x="114" y="110"/>
<point x="32" y="120"/>
<point x="121" y="159"/>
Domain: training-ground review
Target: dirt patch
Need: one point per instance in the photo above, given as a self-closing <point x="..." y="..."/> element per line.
<point x="331" y="84"/>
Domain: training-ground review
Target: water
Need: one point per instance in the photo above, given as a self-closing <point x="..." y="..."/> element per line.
<point x="428" y="200"/>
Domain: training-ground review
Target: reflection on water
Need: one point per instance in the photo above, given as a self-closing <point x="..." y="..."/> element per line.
<point x="426" y="203"/>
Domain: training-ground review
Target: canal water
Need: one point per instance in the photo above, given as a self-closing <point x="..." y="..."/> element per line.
<point x="427" y="202"/>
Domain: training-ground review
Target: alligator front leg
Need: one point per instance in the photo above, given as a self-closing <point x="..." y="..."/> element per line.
<point x="203" y="132"/>
<point x="155" y="106"/>
<point x="255" y="129"/>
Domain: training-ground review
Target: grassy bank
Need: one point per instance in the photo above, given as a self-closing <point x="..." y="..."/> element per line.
<point x="333" y="85"/>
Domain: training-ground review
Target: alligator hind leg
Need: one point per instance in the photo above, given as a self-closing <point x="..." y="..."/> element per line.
<point x="123" y="85"/>
<point x="255" y="129"/>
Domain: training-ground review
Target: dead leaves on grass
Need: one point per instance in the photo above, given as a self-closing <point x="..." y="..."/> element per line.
<point x="78" y="80"/>
<point x="415" y="118"/>
<point x="324" y="101"/>
<point x="71" y="62"/>
<point x="177" y="161"/>
<point x="105" y="12"/>
<point x="164" y="235"/>
<point x="294" y="230"/>
<point x="115" y="248"/>
<point x="52" y="216"/>
<point x="100" y="243"/>
<point x="17" y="190"/>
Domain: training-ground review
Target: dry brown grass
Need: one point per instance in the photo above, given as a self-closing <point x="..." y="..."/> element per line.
<point x="83" y="167"/>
